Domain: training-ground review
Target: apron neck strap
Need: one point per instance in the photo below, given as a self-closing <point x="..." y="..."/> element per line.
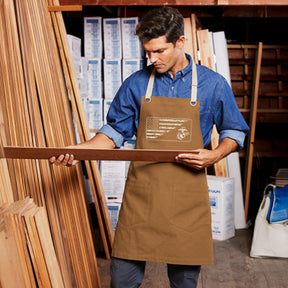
<point x="193" y="85"/>
<point x="150" y="86"/>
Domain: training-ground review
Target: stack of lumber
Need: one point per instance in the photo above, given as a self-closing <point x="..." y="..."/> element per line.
<point x="200" y="45"/>
<point x="28" y="257"/>
<point x="210" y="49"/>
<point x="35" y="107"/>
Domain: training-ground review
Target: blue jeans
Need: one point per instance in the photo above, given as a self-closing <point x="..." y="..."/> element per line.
<point x="129" y="274"/>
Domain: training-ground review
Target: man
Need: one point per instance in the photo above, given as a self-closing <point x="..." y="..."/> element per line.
<point x="171" y="104"/>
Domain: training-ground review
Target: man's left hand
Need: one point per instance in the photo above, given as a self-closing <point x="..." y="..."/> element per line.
<point x="199" y="160"/>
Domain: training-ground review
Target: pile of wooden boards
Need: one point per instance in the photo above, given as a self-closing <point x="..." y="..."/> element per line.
<point x="38" y="87"/>
<point x="28" y="257"/>
<point x="199" y="44"/>
<point x="210" y="49"/>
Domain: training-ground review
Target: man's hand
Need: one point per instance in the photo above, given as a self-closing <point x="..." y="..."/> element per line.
<point x="99" y="141"/>
<point x="63" y="160"/>
<point x="199" y="160"/>
<point x="205" y="157"/>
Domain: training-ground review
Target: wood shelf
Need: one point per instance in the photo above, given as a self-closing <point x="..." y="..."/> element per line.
<point x="273" y="86"/>
<point x="176" y="2"/>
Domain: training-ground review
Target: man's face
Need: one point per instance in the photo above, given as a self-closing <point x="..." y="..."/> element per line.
<point x="164" y="56"/>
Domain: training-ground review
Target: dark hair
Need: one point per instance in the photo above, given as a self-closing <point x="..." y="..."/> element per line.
<point x="159" y="22"/>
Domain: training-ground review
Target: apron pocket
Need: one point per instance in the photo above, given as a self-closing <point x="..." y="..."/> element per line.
<point x="135" y="204"/>
<point x="191" y="208"/>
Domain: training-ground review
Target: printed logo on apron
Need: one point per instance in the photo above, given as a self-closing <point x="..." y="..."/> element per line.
<point x="168" y="129"/>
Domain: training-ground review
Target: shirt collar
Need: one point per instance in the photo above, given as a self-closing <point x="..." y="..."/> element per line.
<point x="188" y="68"/>
<point x="182" y="72"/>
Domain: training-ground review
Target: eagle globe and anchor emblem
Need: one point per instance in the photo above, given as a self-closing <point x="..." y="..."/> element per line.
<point x="182" y="133"/>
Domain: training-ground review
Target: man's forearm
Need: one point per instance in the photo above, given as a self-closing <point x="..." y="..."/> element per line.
<point x="225" y="147"/>
<point x="99" y="141"/>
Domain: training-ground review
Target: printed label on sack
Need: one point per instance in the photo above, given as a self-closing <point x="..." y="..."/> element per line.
<point x="168" y="129"/>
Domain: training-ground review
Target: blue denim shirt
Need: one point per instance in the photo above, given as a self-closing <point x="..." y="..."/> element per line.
<point x="217" y="103"/>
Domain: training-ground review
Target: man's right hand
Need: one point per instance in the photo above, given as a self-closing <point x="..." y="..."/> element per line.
<point x="99" y="141"/>
<point x="63" y="160"/>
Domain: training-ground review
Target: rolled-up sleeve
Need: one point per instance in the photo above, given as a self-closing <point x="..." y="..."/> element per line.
<point x="238" y="136"/>
<point x="123" y="116"/>
<point x="228" y="119"/>
<point x="111" y="133"/>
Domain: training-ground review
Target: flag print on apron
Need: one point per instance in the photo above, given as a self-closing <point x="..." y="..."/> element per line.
<point x="165" y="215"/>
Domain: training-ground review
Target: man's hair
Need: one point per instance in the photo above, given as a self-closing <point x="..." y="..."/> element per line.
<point x="164" y="21"/>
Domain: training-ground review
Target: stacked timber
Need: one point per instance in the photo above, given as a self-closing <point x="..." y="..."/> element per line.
<point x="28" y="257"/>
<point x="210" y="49"/>
<point x="38" y="87"/>
<point x="199" y="44"/>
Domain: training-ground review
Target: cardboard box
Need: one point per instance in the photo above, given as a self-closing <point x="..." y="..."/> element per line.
<point x="83" y="77"/>
<point x="112" y="77"/>
<point x="94" y="78"/>
<point x="114" y="209"/>
<point x="130" y="144"/>
<point x="75" y="45"/>
<point x="221" y="194"/>
<point x="93" y="44"/>
<point x="129" y="66"/>
<point x="131" y="45"/>
<point x="113" y="188"/>
<point x="112" y="38"/>
<point x="94" y="112"/>
<point x="106" y="106"/>
<point x="113" y="179"/>
<point x="112" y="168"/>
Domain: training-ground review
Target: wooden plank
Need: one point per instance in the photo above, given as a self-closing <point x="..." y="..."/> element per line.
<point x="14" y="247"/>
<point x="188" y="47"/>
<point x="37" y="121"/>
<point x="97" y="190"/>
<point x="11" y="271"/>
<point x="206" y="59"/>
<point x="177" y="2"/>
<point x="138" y="3"/>
<point x="65" y="8"/>
<point x="252" y="125"/>
<point x="205" y="48"/>
<point x="95" y="154"/>
<point x="252" y="2"/>
<point x="41" y="221"/>
<point x="35" y="249"/>
<point x="29" y="78"/>
<point x="6" y="193"/>
<point x="74" y="207"/>
<point x="194" y="38"/>
<point x="51" y="90"/>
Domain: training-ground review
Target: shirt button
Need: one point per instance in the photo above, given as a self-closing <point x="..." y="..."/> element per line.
<point x="172" y="87"/>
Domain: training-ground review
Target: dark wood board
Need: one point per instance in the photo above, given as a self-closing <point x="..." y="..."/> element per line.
<point x="94" y="154"/>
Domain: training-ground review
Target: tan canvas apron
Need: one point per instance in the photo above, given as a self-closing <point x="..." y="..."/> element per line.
<point x="165" y="214"/>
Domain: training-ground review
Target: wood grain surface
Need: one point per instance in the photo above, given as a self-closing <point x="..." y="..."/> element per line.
<point x="94" y="154"/>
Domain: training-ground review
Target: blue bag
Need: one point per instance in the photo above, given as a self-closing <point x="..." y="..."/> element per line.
<point x="278" y="209"/>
